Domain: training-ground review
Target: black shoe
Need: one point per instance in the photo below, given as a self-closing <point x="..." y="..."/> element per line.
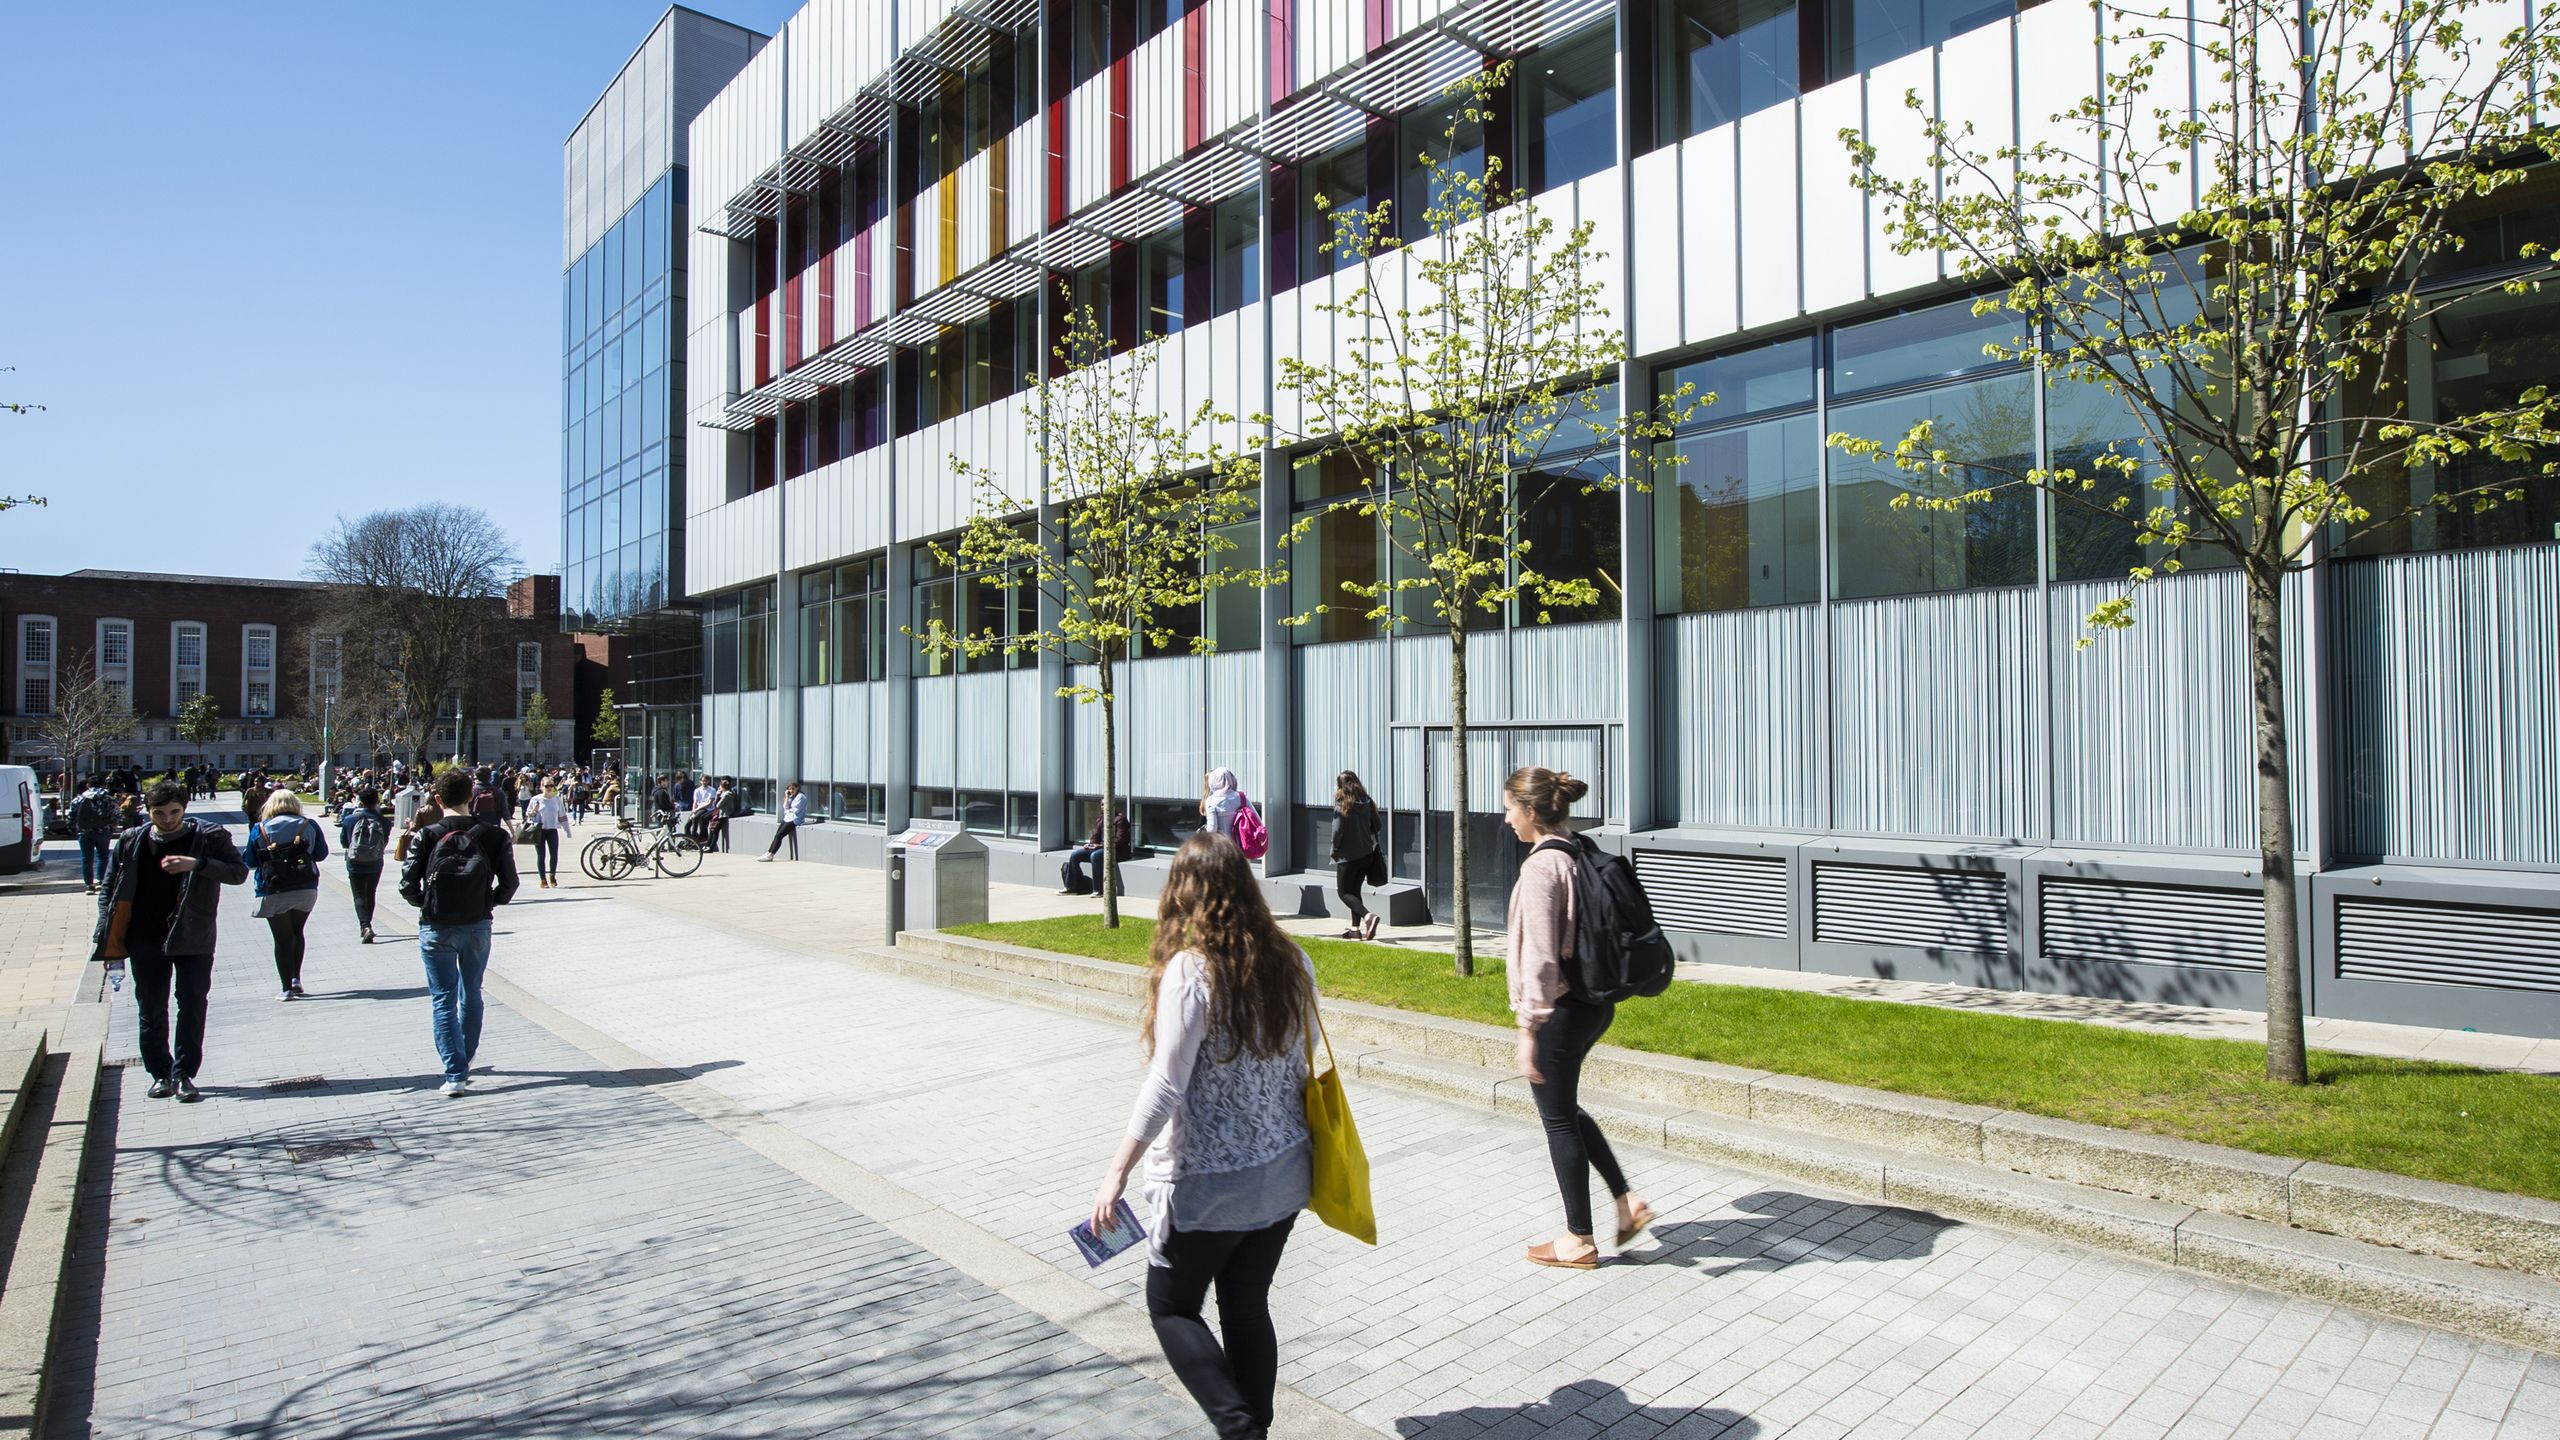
<point x="162" y="1088"/>
<point x="188" y="1094"/>
<point x="368" y="934"/>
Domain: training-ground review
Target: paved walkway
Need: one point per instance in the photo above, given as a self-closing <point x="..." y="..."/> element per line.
<point x="799" y="1198"/>
<point x="45" y="924"/>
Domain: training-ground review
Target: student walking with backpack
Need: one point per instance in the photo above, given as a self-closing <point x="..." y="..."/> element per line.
<point x="94" y="814"/>
<point x="459" y="869"/>
<point x="1221" y="1120"/>
<point x="285" y="851"/>
<point x="364" y="834"/>
<point x="1359" y="852"/>
<point x="1559" y="1017"/>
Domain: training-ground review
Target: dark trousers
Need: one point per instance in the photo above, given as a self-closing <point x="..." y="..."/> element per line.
<point x="546" y="853"/>
<point x="1574" y="1143"/>
<point x="1350" y="875"/>
<point x="1071" y="874"/>
<point x="287" y="930"/>
<point x="782" y="831"/>
<point x="95" y="846"/>
<point x="153" y="974"/>
<point x="1233" y="1383"/>
<point x="362" y="882"/>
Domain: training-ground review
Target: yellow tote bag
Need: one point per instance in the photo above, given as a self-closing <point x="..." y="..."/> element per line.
<point x="1339" y="1169"/>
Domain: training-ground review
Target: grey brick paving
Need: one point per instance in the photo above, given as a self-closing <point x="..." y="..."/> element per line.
<point x="565" y="1254"/>
<point x="1761" y="1308"/>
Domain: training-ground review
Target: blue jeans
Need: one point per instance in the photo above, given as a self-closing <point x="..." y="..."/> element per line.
<point x="456" y="957"/>
<point x="94" y="846"/>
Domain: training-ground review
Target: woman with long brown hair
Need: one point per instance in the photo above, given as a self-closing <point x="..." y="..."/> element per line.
<point x="1559" y="1022"/>
<point x="1222" y="1122"/>
<point x="1359" y="852"/>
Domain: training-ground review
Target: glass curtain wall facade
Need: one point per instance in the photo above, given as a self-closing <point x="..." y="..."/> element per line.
<point x="1783" y="648"/>
<point x="622" y="378"/>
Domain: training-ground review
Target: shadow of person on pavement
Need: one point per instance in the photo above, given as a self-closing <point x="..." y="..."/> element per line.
<point x="419" y="993"/>
<point x="1783" y="1228"/>
<point x="1585" y="1407"/>
<point x="485" y="1079"/>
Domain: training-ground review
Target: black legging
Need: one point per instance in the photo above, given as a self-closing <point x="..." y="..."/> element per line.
<point x="1234" y="1384"/>
<point x="546" y="852"/>
<point x="1574" y="1142"/>
<point x="1350" y="875"/>
<point x="287" y="929"/>
<point x="362" y="882"/>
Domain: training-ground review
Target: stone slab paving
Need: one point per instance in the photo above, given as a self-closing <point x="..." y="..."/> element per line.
<point x="563" y="1254"/>
<point x="45" y="924"/>
<point x="1760" y="1308"/>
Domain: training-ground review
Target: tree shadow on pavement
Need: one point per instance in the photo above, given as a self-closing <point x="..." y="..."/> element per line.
<point x="1585" y="1407"/>
<point x="1783" y="1228"/>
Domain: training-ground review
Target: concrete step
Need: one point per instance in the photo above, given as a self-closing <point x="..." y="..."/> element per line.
<point x="1963" y="1161"/>
<point x="39" y="1206"/>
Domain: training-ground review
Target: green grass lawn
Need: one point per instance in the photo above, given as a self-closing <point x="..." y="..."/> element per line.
<point x="2493" y="1129"/>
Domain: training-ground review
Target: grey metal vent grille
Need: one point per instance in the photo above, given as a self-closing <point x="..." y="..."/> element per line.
<point x="1921" y="909"/>
<point x="2104" y="922"/>
<point x="1722" y="894"/>
<point x="2416" y="943"/>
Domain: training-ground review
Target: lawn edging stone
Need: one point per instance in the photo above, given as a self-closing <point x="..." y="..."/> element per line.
<point x="2230" y="1211"/>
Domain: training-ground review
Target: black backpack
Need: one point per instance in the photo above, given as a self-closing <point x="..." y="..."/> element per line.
<point x="287" y="865"/>
<point x="457" y="881"/>
<point x="94" y="811"/>
<point x="1618" y="952"/>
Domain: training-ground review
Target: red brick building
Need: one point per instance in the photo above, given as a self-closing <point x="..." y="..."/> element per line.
<point x="162" y="639"/>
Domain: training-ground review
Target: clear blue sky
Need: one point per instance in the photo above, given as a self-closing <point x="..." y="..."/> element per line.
<point x="268" y="264"/>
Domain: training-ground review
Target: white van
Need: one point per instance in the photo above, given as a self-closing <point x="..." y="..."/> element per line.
<point x="21" y="819"/>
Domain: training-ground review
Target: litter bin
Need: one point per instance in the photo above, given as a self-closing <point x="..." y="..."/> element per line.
<point x="937" y="877"/>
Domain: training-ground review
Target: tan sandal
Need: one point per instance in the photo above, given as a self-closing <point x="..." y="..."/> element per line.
<point x="1636" y="1227"/>
<point x="1546" y="1255"/>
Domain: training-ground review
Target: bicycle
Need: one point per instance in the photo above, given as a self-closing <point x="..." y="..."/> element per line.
<point x="616" y="853"/>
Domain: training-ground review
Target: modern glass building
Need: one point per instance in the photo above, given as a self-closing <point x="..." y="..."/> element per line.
<point x="1836" y="733"/>
<point x="622" y="376"/>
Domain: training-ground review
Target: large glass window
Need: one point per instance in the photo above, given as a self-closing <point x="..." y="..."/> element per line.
<point x="1866" y="33"/>
<point x="1720" y="60"/>
<point x="1340" y="181"/>
<point x="1340" y="547"/>
<point x="1434" y="147"/>
<point x="1235" y="254"/>
<point x="1736" y="518"/>
<point x="1878" y="548"/>
<point x="2095" y="536"/>
<point x="998" y="605"/>
<point x="737" y="641"/>
<point x="1569" y="109"/>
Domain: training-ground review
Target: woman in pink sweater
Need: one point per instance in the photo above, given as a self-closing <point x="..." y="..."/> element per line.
<point x="1559" y="1023"/>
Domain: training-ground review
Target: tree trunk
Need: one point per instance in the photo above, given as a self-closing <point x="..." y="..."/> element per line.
<point x="1110" y="785"/>
<point x="2286" y="1062"/>
<point x="1461" y="910"/>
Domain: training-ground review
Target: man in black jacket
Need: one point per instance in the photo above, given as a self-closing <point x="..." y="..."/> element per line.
<point x="157" y="908"/>
<point x="459" y="869"/>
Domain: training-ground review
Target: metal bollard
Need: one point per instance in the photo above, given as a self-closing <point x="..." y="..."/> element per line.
<point x="897" y="891"/>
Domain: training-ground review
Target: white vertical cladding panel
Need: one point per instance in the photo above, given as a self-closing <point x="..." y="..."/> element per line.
<point x="1161" y="708"/>
<point x="1343" y="723"/>
<point x="847" y="267"/>
<point x="1330" y="34"/>
<point x="1287" y="317"/>
<point x="1901" y="137"/>
<point x="1739" y="728"/>
<point x="1026" y="180"/>
<point x="1767" y="207"/>
<point x="1711" y="217"/>
<point x="917" y="18"/>
<point x="2057" y="69"/>
<point x="1089" y="142"/>
<point x="1155" y="102"/>
<point x="1231" y="91"/>
<point x="1025" y="699"/>
<point x="755" y="734"/>
<point x="1084" y="736"/>
<point x="839" y="510"/>
<point x="817" y="734"/>
<point x="981" y="731"/>
<point x="857" y="735"/>
<point x="730" y="544"/>
<point x="1235" y="717"/>
<point x="1595" y="198"/>
<point x="969" y="212"/>
<point x="1564" y="672"/>
<point x="1978" y="99"/>
<point x="720" y="730"/>
<point x="1657" y="244"/>
<point x="1422" y="677"/>
<point x="1835" y="210"/>
<point x="2448" y="694"/>
<point x="884" y="266"/>
<point x="937" y="729"/>
<point x="2160" y="193"/>
<point x="1932" y="720"/>
<point x="2450" y="86"/>
<point x="2151" y="726"/>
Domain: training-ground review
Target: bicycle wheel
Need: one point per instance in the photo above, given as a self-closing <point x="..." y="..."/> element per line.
<point x="677" y="857"/>
<point x="621" y="860"/>
<point x="595" y="857"/>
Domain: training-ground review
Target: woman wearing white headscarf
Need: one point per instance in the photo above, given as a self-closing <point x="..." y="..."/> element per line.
<point x="1221" y="802"/>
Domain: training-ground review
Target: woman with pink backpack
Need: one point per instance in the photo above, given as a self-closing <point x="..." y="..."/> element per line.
<point x="1231" y="815"/>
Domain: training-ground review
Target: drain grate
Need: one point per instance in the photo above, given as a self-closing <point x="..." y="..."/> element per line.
<point x="329" y="1149"/>
<point x="299" y="1082"/>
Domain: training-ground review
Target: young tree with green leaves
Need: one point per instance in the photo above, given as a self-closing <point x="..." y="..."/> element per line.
<point x="1470" y="354"/>
<point x="608" y="727"/>
<point x="537" y="720"/>
<point x="88" y="715"/>
<point x="1126" y="537"/>
<point x="200" y="721"/>
<point x="2246" y="274"/>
